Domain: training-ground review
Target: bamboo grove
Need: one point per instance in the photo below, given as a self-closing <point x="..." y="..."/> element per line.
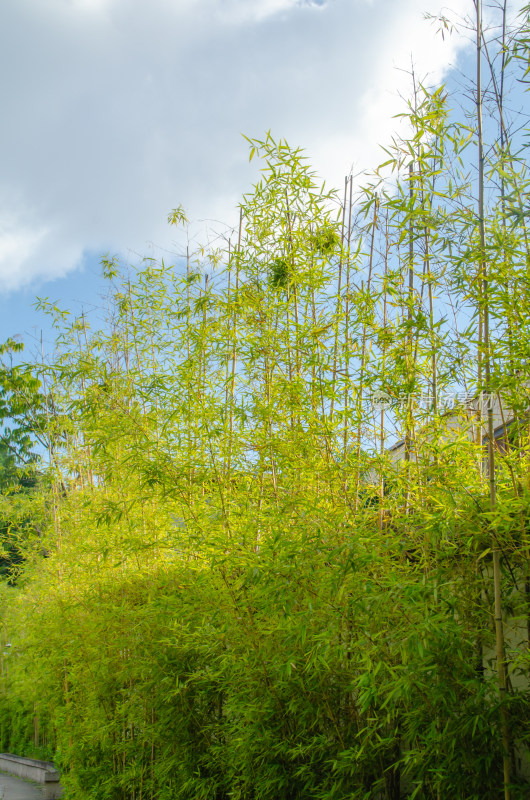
<point x="276" y="551"/>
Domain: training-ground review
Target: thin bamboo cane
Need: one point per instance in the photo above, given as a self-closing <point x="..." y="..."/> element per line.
<point x="383" y="365"/>
<point x="190" y="458"/>
<point x="234" y="355"/>
<point x="410" y="365"/>
<point x="484" y="280"/>
<point x="360" y="388"/>
<point x="338" y="305"/>
<point x="347" y="345"/>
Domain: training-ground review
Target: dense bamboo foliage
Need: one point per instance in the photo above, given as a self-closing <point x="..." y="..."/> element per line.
<point x="279" y="553"/>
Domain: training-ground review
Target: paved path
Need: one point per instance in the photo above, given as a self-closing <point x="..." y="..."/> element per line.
<point x="16" y="789"/>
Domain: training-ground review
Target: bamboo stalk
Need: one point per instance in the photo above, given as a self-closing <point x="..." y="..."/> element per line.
<point x="483" y="269"/>
<point x="338" y="304"/>
<point x="363" y="353"/>
<point x="410" y="365"/>
<point x="234" y="355"/>
<point x="347" y="341"/>
<point x="383" y="365"/>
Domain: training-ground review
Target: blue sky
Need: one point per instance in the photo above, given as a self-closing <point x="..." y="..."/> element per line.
<point x="81" y="290"/>
<point x="116" y="111"/>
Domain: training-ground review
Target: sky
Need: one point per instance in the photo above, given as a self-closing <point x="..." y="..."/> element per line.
<point x="116" y="111"/>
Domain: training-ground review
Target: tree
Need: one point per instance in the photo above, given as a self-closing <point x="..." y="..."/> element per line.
<point x="22" y="422"/>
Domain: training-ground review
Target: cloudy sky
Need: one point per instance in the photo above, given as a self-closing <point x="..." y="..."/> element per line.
<point x="116" y="111"/>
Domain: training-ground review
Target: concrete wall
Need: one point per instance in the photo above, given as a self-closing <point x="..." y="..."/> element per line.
<point x="31" y="769"/>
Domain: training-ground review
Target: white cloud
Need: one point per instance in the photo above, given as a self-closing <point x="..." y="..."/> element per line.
<point x="115" y="111"/>
<point x="18" y="243"/>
